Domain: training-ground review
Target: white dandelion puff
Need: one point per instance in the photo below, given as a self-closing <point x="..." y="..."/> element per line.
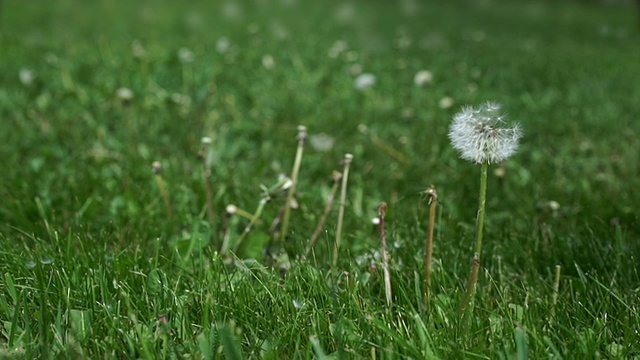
<point x="268" y="62"/>
<point x="364" y="81"/>
<point x="422" y="78"/>
<point x="124" y="94"/>
<point x="222" y="45"/>
<point x="185" y="56"/>
<point x="446" y="102"/>
<point x="477" y="134"/>
<point x="26" y="76"/>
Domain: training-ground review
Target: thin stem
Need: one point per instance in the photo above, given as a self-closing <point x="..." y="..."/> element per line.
<point x="481" y="205"/>
<point x="433" y="200"/>
<point x="226" y="233"/>
<point x="302" y="135"/>
<point x="206" y="175"/>
<point x="157" y="171"/>
<point x="471" y="282"/>
<point x="473" y="277"/>
<point x="254" y="220"/>
<point x="343" y="195"/>
<point x="336" y="182"/>
<point x="556" y="286"/>
<point x="382" y="210"/>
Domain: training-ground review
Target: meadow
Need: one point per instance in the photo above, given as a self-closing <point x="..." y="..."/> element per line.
<point x="139" y="141"/>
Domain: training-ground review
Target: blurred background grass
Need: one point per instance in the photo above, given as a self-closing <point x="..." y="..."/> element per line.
<point x="77" y="157"/>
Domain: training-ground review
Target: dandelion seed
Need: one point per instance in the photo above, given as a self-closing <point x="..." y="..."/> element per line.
<point x="477" y="135"/>
<point x="422" y="78"/>
<point x="364" y="81"/>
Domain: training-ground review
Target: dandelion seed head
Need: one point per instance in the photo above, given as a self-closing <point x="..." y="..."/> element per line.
<point x="27" y="76"/>
<point x="268" y="62"/>
<point x="480" y="136"/>
<point x="364" y="81"/>
<point x="553" y="205"/>
<point x="446" y="102"/>
<point x="185" y="56"/>
<point x="322" y="142"/>
<point x="124" y="94"/>
<point x="222" y="45"/>
<point x="422" y="78"/>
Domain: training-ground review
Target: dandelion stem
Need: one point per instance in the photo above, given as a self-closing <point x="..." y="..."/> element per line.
<point x="382" y="210"/>
<point x="157" y="170"/>
<point x="481" y="205"/>
<point x="433" y="200"/>
<point x="334" y="189"/>
<point x="206" y="175"/>
<point x="302" y="135"/>
<point x="254" y="220"/>
<point x="473" y="277"/>
<point x="164" y="194"/>
<point x="556" y="286"/>
<point x="343" y="195"/>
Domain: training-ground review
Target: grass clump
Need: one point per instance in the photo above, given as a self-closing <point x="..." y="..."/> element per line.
<point x="102" y="258"/>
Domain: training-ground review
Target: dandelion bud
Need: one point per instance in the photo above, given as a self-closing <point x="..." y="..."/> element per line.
<point x="446" y="102"/>
<point x="156" y="167"/>
<point x="124" y="94"/>
<point x="422" y="78"/>
<point x="231" y="209"/>
<point x="347" y="159"/>
<point x="302" y="133"/>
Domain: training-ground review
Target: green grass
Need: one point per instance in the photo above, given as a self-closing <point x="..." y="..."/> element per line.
<point x="93" y="266"/>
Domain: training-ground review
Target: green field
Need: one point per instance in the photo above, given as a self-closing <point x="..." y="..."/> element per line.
<point x="102" y="258"/>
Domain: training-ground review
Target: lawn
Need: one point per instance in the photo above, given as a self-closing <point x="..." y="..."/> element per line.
<point x="149" y="148"/>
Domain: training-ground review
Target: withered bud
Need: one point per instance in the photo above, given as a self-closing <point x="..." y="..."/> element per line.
<point x="156" y="167"/>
